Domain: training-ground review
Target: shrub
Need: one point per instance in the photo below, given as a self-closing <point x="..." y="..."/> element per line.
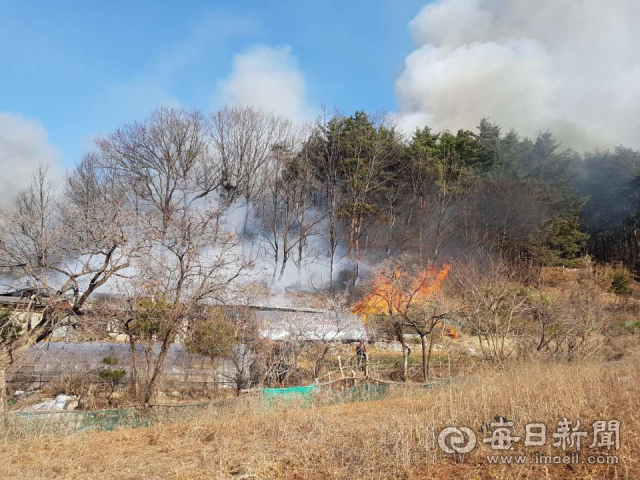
<point x="72" y="383"/>
<point x="110" y="360"/>
<point x="112" y="376"/>
<point x="621" y="283"/>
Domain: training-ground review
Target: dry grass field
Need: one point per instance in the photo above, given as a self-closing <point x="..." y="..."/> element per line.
<point x="393" y="438"/>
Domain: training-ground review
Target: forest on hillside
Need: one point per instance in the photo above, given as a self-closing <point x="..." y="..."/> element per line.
<point x="336" y="194"/>
<point x="182" y="212"/>
<point x="373" y="193"/>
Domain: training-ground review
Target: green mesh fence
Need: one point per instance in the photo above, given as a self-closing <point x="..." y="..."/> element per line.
<point x="135" y="417"/>
<point x="58" y="422"/>
<point x="111" y="419"/>
<point x="307" y="396"/>
<point x="290" y="396"/>
<point x="366" y="392"/>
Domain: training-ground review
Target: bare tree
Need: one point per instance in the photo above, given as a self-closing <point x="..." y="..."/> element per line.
<point x="315" y="336"/>
<point x="324" y="151"/>
<point x="277" y="213"/>
<point x="403" y="293"/>
<point x="165" y="160"/>
<point x="243" y="139"/>
<point x="65" y="246"/>
<point x="187" y="257"/>
<point x="292" y="213"/>
<point x="566" y="326"/>
<point x="495" y="303"/>
<point x="303" y="197"/>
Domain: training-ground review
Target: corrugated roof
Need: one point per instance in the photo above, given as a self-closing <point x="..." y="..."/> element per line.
<point x="310" y="325"/>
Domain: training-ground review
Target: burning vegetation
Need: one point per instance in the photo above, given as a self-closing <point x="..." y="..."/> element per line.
<point x="394" y="291"/>
<point x="407" y="297"/>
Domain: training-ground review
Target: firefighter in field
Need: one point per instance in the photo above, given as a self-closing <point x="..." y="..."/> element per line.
<point x="361" y="356"/>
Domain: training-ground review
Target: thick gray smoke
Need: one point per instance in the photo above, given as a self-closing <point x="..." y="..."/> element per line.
<point x="570" y="66"/>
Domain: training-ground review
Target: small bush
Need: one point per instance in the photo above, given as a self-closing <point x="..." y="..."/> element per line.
<point x="70" y="384"/>
<point x="112" y="376"/>
<point x="621" y="283"/>
<point x="110" y="360"/>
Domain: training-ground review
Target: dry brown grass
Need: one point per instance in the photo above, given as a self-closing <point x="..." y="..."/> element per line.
<point x="391" y="438"/>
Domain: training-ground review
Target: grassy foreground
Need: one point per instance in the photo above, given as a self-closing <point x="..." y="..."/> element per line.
<point x="392" y="438"/>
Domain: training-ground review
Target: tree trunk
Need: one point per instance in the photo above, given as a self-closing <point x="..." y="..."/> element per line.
<point x="3" y="398"/>
<point x="356" y="273"/>
<point x="285" y="258"/>
<point x="425" y="372"/>
<point x="152" y="386"/>
<point x="331" y="255"/>
<point x="135" y="377"/>
<point x="333" y="242"/>
<point x="406" y="351"/>
<point x="18" y="348"/>
<point x="276" y="248"/>
<point x="275" y="267"/>
<point x="245" y="223"/>
<point x="429" y="354"/>
<point x="299" y="274"/>
<point x="301" y="244"/>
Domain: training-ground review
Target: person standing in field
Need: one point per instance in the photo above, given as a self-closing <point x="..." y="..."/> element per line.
<point x="361" y="356"/>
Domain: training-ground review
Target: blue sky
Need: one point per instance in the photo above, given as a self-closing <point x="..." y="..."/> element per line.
<point x="84" y="68"/>
<point x="72" y="70"/>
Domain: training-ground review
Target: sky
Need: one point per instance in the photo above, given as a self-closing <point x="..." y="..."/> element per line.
<point x="84" y="68"/>
<point x="71" y="70"/>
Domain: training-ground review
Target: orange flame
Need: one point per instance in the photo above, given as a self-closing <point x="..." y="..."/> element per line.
<point x="448" y="330"/>
<point x="393" y="293"/>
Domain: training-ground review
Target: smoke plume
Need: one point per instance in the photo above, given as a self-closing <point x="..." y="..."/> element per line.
<point x="267" y="78"/>
<point x="572" y="67"/>
<point x="23" y="147"/>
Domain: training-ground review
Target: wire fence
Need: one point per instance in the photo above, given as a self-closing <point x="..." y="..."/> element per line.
<point x="264" y="399"/>
<point x="28" y="423"/>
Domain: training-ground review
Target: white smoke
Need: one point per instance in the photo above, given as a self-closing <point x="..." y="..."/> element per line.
<point x="572" y="67"/>
<point x="257" y="247"/>
<point x="23" y="147"/>
<point x="267" y="78"/>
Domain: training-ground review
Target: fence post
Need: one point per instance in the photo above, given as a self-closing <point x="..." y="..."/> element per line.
<point x="366" y="365"/>
<point x="3" y="398"/>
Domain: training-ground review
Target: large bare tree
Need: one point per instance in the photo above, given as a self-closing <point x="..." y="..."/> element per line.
<point x="62" y="246"/>
<point x="243" y="139"/>
<point x="187" y="256"/>
<point x="165" y="160"/>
